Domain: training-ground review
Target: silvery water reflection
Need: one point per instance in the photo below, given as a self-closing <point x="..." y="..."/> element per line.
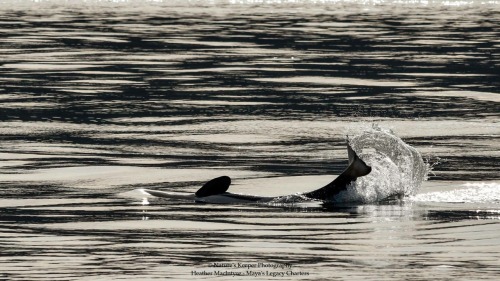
<point x="98" y="101"/>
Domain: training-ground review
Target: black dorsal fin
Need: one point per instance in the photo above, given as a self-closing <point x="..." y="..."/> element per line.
<point x="215" y="186"/>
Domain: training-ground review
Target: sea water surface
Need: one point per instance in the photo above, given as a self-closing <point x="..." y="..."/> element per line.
<point x="100" y="99"/>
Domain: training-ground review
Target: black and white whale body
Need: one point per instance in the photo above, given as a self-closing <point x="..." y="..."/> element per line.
<point x="215" y="190"/>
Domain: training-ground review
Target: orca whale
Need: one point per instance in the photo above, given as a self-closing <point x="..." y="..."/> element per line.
<point x="215" y="190"/>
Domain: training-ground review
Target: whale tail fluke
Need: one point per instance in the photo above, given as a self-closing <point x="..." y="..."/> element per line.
<point x="351" y="154"/>
<point x="357" y="168"/>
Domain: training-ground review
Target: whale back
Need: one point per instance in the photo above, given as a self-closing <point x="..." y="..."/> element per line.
<point x="214" y="187"/>
<point x="356" y="168"/>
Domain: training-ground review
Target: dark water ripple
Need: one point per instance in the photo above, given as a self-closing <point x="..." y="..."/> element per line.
<point x="96" y="102"/>
<point x="170" y="240"/>
<point x="92" y="67"/>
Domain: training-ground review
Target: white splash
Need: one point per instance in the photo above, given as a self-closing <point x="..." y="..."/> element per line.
<point x="397" y="168"/>
<point x="470" y="193"/>
<point x="290" y="199"/>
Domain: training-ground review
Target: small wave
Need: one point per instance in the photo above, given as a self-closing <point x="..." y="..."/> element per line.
<point x="471" y="193"/>
<point x="290" y="199"/>
<point x="398" y="169"/>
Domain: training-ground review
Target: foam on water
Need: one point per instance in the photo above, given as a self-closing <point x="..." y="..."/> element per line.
<point x="290" y="199"/>
<point x="397" y="168"/>
<point x="469" y="193"/>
